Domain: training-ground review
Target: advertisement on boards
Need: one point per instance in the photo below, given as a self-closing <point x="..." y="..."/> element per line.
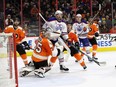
<point x="104" y="40"/>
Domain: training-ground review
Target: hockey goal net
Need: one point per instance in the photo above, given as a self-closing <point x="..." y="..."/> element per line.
<point x="8" y="61"/>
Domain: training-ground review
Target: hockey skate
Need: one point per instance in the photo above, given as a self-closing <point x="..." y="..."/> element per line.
<point x="95" y="58"/>
<point x="84" y="67"/>
<point x="39" y="72"/>
<point x="76" y="60"/>
<point x="90" y="59"/>
<point x="63" y="68"/>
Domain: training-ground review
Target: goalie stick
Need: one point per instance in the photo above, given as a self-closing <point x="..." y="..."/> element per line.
<point x="94" y="60"/>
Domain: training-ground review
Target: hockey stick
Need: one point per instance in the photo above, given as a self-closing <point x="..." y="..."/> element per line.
<point x="59" y="39"/>
<point x="93" y="59"/>
<point x="96" y="14"/>
<point x="93" y="17"/>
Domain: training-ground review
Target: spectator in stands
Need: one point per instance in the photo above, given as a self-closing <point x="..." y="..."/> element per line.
<point x="114" y="20"/>
<point x="102" y="26"/>
<point x="34" y="13"/>
<point x="0" y="30"/>
<point x="0" y="25"/>
<point x="9" y="20"/>
<point x="26" y="9"/>
<point x="113" y="29"/>
<point x="108" y="23"/>
<point x="87" y="16"/>
<point x="8" y="9"/>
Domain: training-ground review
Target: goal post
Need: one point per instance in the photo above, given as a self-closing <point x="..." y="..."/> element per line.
<point x="8" y="60"/>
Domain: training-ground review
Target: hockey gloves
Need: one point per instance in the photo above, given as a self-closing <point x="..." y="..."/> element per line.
<point x="77" y="45"/>
<point x="25" y="45"/>
<point x="96" y="34"/>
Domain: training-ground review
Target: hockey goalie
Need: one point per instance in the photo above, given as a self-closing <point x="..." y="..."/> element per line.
<point x="44" y="50"/>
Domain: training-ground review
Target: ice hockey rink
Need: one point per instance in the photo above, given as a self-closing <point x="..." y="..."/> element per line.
<point x="94" y="76"/>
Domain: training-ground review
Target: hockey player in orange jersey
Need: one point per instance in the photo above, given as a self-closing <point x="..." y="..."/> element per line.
<point x="74" y="46"/>
<point x="43" y="50"/>
<point x="20" y="35"/>
<point x="93" y="33"/>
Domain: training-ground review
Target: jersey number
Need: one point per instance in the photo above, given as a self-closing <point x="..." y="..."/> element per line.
<point x="38" y="47"/>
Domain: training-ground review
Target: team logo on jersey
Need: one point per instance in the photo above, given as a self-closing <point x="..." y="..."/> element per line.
<point x="79" y="28"/>
<point x="16" y="35"/>
<point x="90" y="29"/>
<point x="58" y="27"/>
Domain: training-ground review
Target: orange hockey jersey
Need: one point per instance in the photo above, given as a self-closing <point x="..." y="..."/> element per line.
<point x="72" y="36"/>
<point x="20" y="33"/>
<point x="42" y="50"/>
<point x="93" y="30"/>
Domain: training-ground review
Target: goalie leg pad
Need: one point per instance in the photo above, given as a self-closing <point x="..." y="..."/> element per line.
<point x="40" y="72"/>
<point x="25" y="71"/>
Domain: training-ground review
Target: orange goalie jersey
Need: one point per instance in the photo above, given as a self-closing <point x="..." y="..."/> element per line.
<point x="20" y="33"/>
<point x="93" y="30"/>
<point x="42" y="50"/>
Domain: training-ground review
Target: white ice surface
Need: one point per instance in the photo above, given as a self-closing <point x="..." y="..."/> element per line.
<point x="94" y="76"/>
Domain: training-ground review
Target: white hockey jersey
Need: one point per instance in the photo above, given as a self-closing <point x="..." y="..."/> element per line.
<point x="53" y="26"/>
<point x="81" y="29"/>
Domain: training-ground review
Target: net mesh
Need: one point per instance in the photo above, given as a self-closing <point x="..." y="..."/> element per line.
<point x="7" y="70"/>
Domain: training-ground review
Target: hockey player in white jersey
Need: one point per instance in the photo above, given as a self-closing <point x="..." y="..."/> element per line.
<point x="81" y="29"/>
<point x="57" y="27"/>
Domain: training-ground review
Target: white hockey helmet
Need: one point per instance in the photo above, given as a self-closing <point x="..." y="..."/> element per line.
<point x="79" y="15"/>
<point x="58" y="12"/>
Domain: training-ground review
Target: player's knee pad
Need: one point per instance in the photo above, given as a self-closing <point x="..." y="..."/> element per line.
<point x="40" y="70"/>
